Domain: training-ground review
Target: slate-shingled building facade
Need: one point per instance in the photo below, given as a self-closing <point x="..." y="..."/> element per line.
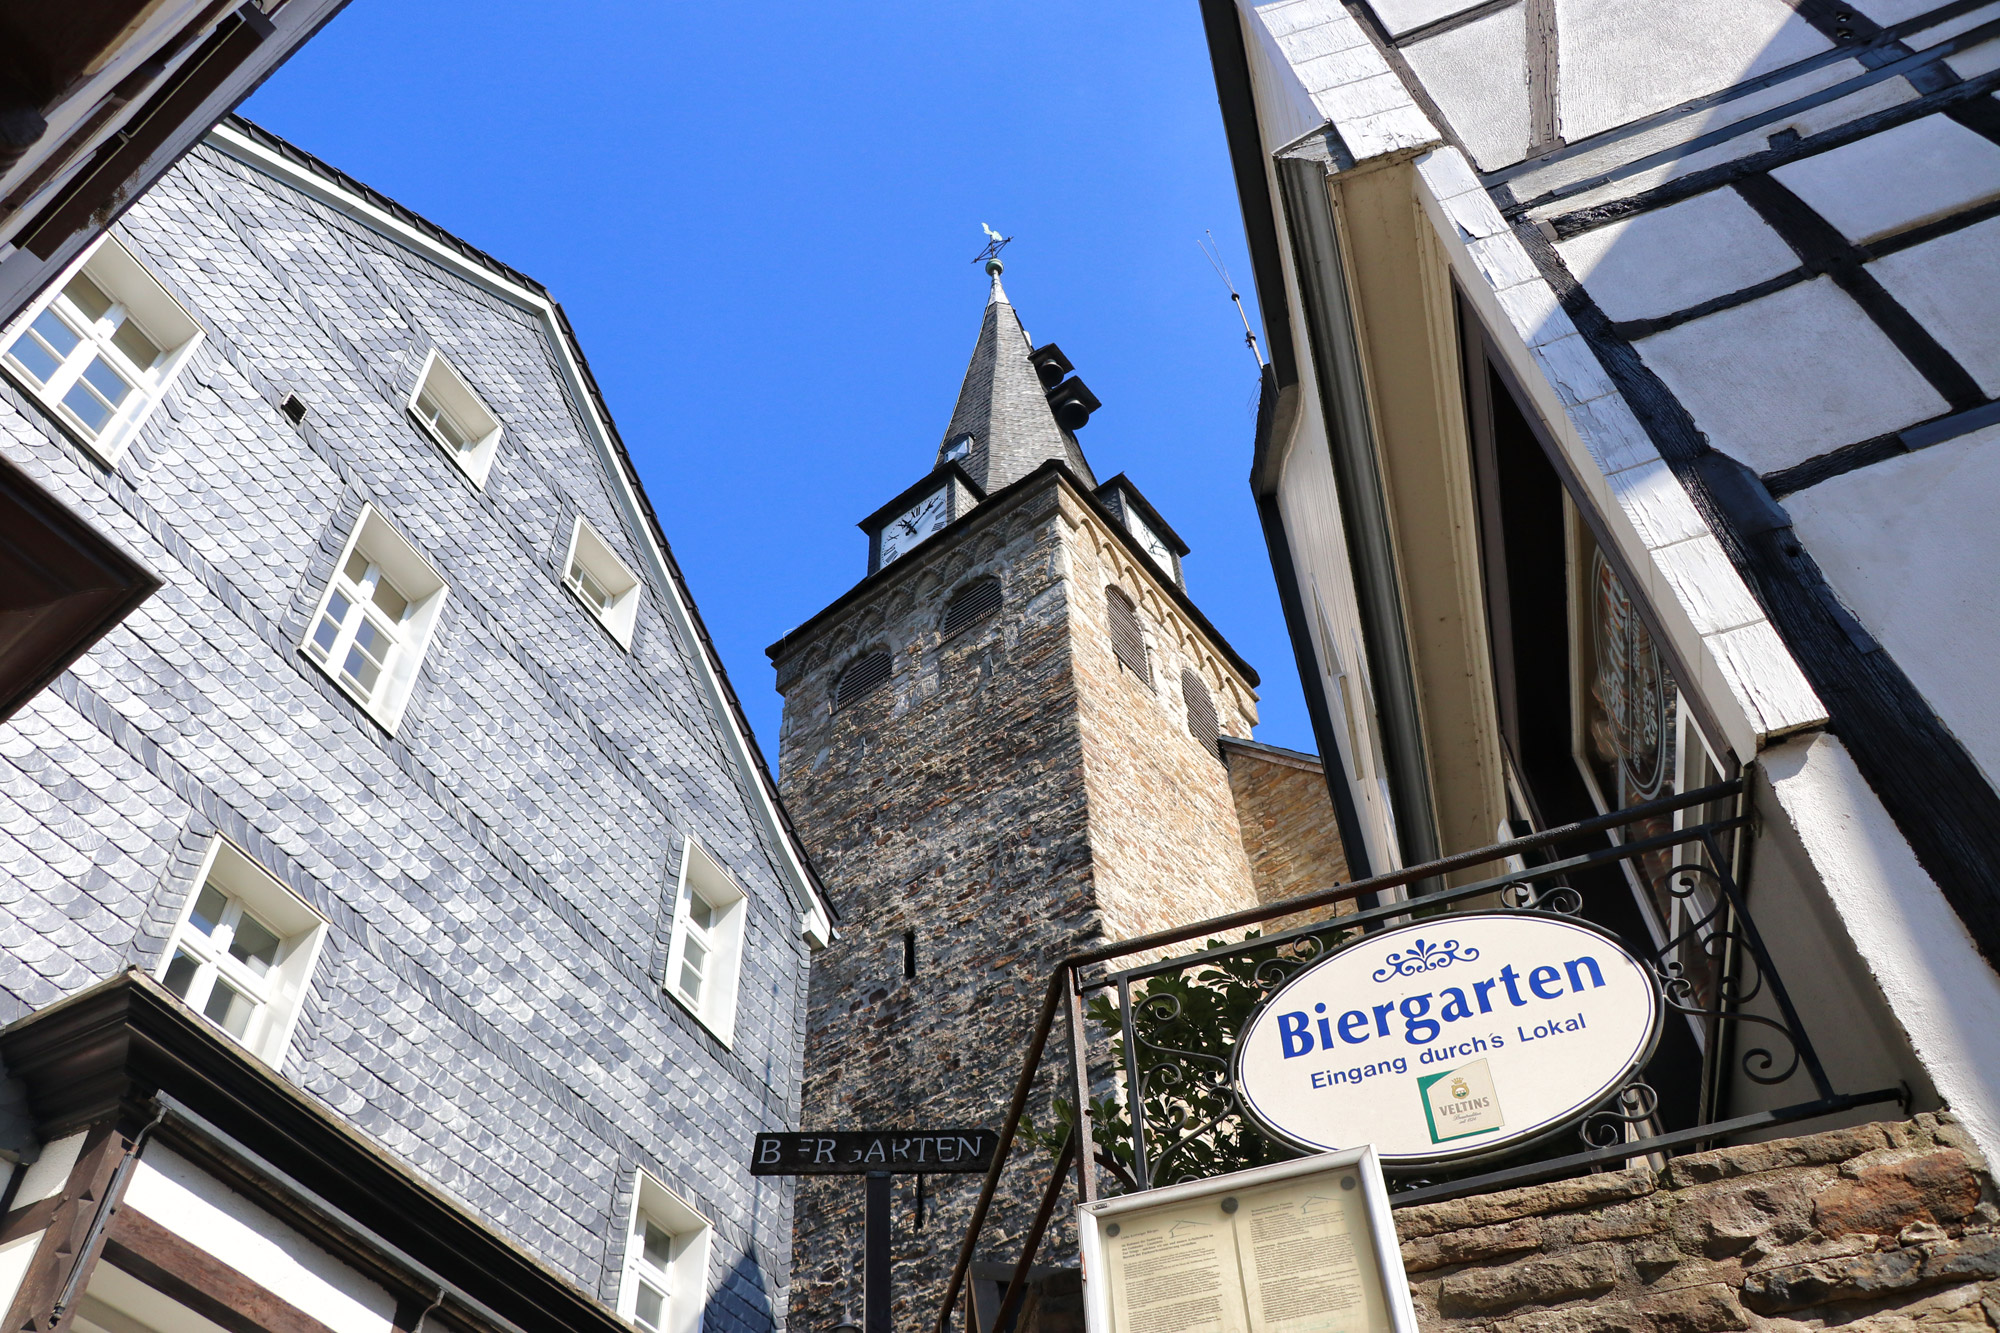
<point x="400" y="928"/>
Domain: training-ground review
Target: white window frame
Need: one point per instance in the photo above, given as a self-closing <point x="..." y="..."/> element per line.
<point x="138" y="299"/>
<point x="440" y="386"/>
<point x="703" y="877"/>
<point x="279" y="993"/>
<point x="686" y="1275"/>
<point x="385" y="554"/>
<point x="590" y="558"/>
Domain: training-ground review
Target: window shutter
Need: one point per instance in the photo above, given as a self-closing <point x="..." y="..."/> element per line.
<point x="1201" y="713"/>
<point x="970" y="605"/>
<point x="864" y="676"/>
<point x="1126" y="639"/>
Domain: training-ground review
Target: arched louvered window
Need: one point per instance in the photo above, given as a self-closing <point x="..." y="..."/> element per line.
<point x="970" y="605"/>
<point x="864" y="675"/>
<point x="1126" y="639"/>
<point x="1201" y="713"/>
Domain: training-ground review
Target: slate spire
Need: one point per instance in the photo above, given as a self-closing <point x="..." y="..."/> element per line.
<point x="1003" y="407"/>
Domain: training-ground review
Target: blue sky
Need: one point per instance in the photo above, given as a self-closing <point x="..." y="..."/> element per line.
<point x="760" y="218"/>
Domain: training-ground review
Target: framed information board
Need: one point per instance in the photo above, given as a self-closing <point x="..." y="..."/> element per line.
<point x="1299" y="1247"/>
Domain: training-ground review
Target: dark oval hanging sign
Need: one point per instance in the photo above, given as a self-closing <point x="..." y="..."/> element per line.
<point x="1457" y="1037"/>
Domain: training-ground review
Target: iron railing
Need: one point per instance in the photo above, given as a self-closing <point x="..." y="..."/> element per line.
<point x="1153" y="1112"/>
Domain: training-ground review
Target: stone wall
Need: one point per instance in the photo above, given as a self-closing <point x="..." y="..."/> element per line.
<point x="1286" y="819"/>
<point x="1882" y="1228"/>
<point x="1012" y="796"/>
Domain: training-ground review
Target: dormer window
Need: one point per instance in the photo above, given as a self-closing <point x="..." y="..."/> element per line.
<point x="102" y="350"/>
<point x="372" y="627"/>
<point x="448" y="410"/>
<point x="600" y="580"/>
<point x="958" y="449"/>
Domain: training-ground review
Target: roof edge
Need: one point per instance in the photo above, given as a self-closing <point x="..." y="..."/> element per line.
<point x="259" y="139"/>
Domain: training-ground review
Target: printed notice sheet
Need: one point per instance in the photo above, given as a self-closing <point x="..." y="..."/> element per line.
<point x="1294" y="1256"/>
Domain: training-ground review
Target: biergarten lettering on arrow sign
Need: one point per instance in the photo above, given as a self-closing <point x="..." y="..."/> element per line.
<point x="857" y="1152"/>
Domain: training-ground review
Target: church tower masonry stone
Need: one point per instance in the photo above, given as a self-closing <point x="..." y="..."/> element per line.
<point x="1001" y="747"/>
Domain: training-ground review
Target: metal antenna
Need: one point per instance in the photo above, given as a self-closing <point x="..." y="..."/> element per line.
<point x="1213" y="252"/>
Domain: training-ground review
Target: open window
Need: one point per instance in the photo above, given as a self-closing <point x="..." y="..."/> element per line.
<point x="665" y="1284"/>
<point x="601" y="582"/>
<point x="448" y="410"/>
<point x="375" y="622"/>
<point x="707" y="948"/>
<point x="103" y="349"/>
<point x="243" y="952"/>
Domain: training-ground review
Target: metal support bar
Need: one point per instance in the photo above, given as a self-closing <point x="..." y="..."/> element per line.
<point x="875" y="1255"/>
<point x="1534" y="1172"/>
<point x="1017" y="1285"/>
<point x="1086" y="1132"/>
<point x="1755" y="939"/>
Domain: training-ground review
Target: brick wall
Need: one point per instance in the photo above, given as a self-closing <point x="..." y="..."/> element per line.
<point x="1882" y="1228"/>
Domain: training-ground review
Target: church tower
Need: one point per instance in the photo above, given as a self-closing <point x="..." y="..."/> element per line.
<point x="1001" y="746"/>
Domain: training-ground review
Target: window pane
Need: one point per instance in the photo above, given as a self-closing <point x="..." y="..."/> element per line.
<point x="357" y="568"/>
<point x="588" y="588"/>
<point x="691" y="977"/>
<point x="651" y="1305"/>
<point x="54" y="331"/>
<point x="36" y="353"/>
<point x="255" y="945"/>
<point x="91" y="410"/>
<point x="180" y="973"/>
<point x="659" y="1247"/>
<point x="337" y="607"/>
<point x="107" y="381"/>
<point x="702" y="912"/>
<point x="229" y="1008"/>
<point x="392" y="602"/>
<point x="132" y="340"/>
<point x="88" y="297"/>
<point x="208" y="907"/>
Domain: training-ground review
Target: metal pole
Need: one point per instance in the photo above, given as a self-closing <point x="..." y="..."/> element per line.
<point x="875" y="1256"/>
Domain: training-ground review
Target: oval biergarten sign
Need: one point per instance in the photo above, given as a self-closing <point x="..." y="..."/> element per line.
<point x="1452" y="1038"/>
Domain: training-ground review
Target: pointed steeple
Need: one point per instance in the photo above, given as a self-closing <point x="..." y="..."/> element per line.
<point x="1003" y="406"/>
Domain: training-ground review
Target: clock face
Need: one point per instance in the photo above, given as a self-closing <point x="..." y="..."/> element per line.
<point x="914" y="524"/>
<point x="1163" y="556"/>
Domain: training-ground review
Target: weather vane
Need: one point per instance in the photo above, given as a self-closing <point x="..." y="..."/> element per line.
<point x="995" y="243"/>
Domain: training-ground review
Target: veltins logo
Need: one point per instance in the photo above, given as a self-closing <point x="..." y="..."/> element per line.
<point x="1459" y="1103"/>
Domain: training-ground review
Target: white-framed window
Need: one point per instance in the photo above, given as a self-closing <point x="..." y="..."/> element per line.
<point x="243" y="951"/>
<point x="665" y="1282"/>
<point x="372" y="626"/>
<point x="103" y="348"/>
<point x="453" y="415"/>
<point x="599" y="579"/>
<point x="707" y="941"/>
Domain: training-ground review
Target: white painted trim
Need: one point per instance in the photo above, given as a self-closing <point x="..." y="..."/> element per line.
<point x="477" y="461"/>
<point x="303" y="930"/>
<point x="790" y="862"/>
<point x="621" y="617"/>
<point x="692" y="1234"/>
<point x="716" y="1008"/>
<point x="207" y="1214"/>
<point x="427" y="591"/>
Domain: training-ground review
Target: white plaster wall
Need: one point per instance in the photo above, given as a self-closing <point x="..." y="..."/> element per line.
<point x="1623" y="59"/>
<point x="1952" y="286"/>
<point x="1678" y="256"/>
<point x="202" y="1211"/>
<point x="1934" y="979"/>
<point x="1899" y="178"/>
<point x="1912" y="548"/>
<point x="1474" y="73"/>
<point x="1790" y="376"/>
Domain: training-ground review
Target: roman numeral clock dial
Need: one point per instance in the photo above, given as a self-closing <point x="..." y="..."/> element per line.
<point x="914" y="524"/>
